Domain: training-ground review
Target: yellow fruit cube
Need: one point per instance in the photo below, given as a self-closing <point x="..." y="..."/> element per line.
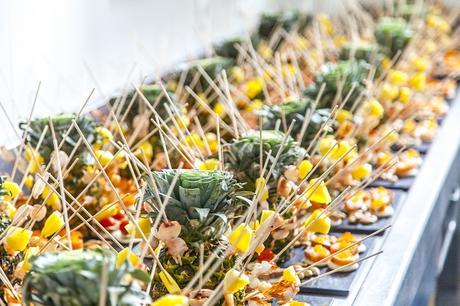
<point x="51" y="198"/>
<point x="104" y="133"/>
<point x="404" y="94"/>
<point x="12" y="188"/>
<point x="419" y="63"/>
<point x="304" y="168"/>
<point x="317" y="192"/>
<point x="266" y="215"/>
<point x="127" y="255"/>
<point x="341" y="150"/>
<point x="388" y="92"/>
<point x="104" y="157"/>
<point x="219" y="109"/>
<point x="253" y="88"/>
<point x="343" y="115"/>
<point x="29" y="181"/>
<point x="261" y="189"/>
<point x="106" y="211"/>
<point x="397" y="77"/>
<point x="418" y="81"/>
<point x="374" y="108"/>
<point x="29" y="253"/>
<point x="326" y="24"/>
<point x="18" y="238"/>
<point x="169" y="282"/>
<point x="290" y="276"/>
<point x="235" y="281"/>
<point x="362" y="171"/>
<point x="145" y="149"/>
<point x="326" y="143"/>
<point x="209" y="164"/>
<point x="237" y="73"/>
<point x="318" y="222"/>
<point x="172" y="300"/>
<point x="144" y="225"/>
<point x="53" y="224"/>
<point x="241" y="238"/>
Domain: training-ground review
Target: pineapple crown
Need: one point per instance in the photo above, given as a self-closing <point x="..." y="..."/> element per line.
<point x="359" y="51"/>
<point x="74" y="278"/>
<point x="61" y="124"/>
<point x="393" y="34"/>
<point x="295" y="110"/>
<point x="242" y="156"/>
<point x="348" y="73"/>
<point x="202" y="201"/>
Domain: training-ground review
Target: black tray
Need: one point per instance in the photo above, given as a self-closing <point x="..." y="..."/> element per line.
<point x="403" y="183"/>
<point x="312" y="299"/>
<point x="366" y="229"/>
<point x="337" y="284"/>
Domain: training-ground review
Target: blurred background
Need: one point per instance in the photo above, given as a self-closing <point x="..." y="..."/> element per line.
<point x="75" y="45"/>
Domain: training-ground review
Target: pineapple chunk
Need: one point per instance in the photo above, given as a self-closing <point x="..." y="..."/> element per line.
<point x="326" y="24"/>
<point x="172" y="300"/>
<point x="290" y="276"/>
<point x="169" y="282"/>
<point x="318" y="193"/>
<point x="51" y="197"/>
<point x="144" y="225"/>
<point x="342" y="149"/>
<point x="104" y="157"/>
<point x="266" y="214"/>
<point x="254" y="105"/>
<point x="106" y="211"/>
<point x="326" y="143"/>
<point x="29" y="181"/>
<point x="241" y="238"/>
<point x="29" y="253"/>
<point x="296" y="303"/>
<point x="389" y="92"/>
<point x="304" y="168"/>
<point x="104" y="133"/>
<point x="253" y="88"/>
<point x="12" y="188"/>
<point x="397" y="77"/>
<point x="374" y="108"/>
<point x="235" y="281"/>
<point x="362" y="171"/>
<point x="127" y="255"/>
<point x="404" y="94"/>
<point x="53" y="224"/>
<point x="418" y="81"/>
<point x="343" y="115"/>
<point x="237" y="73"/>
<point x="262" y="189"/>
<point x="145" y="149"/>
<point x="209" y="164"/>
<point x="219" y="109"/>
<point x="34" y="158"/>
<point x="419" y="63"/>
<point x="18" y="238"/>
<point x="318" y="222"/>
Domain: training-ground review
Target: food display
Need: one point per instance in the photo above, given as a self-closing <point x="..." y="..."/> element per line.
<point x="229" y="180"/>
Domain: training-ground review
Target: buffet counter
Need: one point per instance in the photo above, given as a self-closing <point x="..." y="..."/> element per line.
<point x="416" y="246"/>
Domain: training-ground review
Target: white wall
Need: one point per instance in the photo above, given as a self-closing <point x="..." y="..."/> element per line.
<point x="72" y="46"/>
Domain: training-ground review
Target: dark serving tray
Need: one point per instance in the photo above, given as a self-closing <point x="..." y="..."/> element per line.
<point x="403" y="183"/>
<point x="337" y="284"/>
<point x="366" y="229"/>
<point x="312" y="299"/>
